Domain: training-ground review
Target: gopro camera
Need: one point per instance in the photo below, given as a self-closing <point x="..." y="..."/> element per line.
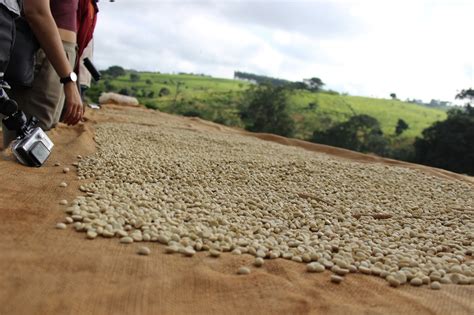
<point x="32" y="146"/>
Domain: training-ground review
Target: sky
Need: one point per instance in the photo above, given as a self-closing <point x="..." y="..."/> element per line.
<point x="414" y="48"/>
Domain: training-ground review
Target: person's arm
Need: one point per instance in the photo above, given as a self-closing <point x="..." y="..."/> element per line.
<point x="38" y="14"/>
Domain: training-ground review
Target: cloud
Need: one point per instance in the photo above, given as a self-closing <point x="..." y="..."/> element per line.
<point x="316" y="19"/>
<point x="417" y="49"/>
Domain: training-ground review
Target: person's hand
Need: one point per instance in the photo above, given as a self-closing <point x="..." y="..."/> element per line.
<point x="74" y="109"/>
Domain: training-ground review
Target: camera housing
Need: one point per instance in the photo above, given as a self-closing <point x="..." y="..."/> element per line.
<point x="32" y="146"/>
<point x="33" y="149"/>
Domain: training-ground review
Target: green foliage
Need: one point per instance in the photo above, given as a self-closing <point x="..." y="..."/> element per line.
<point x="192" y="113"/>
<point x="314" y="84"/>
<point x="401" y="127"/>
<point x="312" y="105"/>
<point x="340" y="108"/>
<point x="134" y="77"/>
<point x="393" y="96"/>
<point x="449" y="144"/>
<point x="360" y="133"/>
<point x="466" y="94"/>
<point x="109" y="87"/>
<point x="260" y="79"/>
<point x="298" y="85"/>
<point x="163" y="92"/>
<point x="265" y="110"/>
<point x="114" y="71"/>
<point x="124" y="91"/>
<point x="93" y="93"/>
<point x="151" y="105"/>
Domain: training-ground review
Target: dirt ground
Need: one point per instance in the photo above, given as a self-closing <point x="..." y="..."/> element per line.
<point x="48" y="271"/>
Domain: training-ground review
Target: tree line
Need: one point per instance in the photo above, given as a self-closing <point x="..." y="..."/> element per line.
<point x="312" y="84"/>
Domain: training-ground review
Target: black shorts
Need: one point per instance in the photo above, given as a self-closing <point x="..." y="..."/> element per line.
<point x="7" y="36"/>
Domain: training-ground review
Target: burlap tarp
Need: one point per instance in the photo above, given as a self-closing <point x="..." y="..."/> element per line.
<point x="48" y="271"/>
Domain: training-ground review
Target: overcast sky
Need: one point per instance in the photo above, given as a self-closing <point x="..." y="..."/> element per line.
<point x="417" y="49"/>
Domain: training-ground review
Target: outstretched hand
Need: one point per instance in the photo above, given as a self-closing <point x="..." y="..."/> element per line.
<point x="74" y="109"/>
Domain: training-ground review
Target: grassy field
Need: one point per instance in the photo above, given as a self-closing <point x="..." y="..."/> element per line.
<point x="217" y="99"/>
<point x="340" y="108"/>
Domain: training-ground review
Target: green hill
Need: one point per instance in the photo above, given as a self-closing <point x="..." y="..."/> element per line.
<point x="330" y="108"/>
<point x="217" y="100"/>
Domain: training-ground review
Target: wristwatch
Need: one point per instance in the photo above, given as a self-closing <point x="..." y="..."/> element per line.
<point x="72" y="77"/>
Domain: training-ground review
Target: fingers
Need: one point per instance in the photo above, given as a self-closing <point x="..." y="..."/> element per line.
<point x="77" y="115"/>
<point x="67" y="114"/>
<point x="73" y="113"/>
<point x="74" y="108"/>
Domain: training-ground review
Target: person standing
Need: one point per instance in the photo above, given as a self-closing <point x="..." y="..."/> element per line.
<point x="54" y="23"/>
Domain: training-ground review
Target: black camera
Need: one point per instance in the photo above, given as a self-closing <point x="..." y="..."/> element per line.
<point x="32" y="146"/>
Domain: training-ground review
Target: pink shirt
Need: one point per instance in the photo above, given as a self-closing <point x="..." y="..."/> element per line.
<point x="65" y="13"/>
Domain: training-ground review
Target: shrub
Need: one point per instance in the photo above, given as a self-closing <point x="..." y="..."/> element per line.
<point x="360" y="133"/>
<point x="265" y="110"/>
<point x="134" y="77"/>
<point x="124" y="91"/>
<point x="449" y="144"/>
<point x="163" y="92"/>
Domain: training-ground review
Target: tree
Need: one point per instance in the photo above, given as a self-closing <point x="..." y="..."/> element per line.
<point x="259" y="79"/>
<point x="401" y="127"/>
<point x="134" y="77"/>
<point x="298" y="85"/>
<point x="163" y="92"/>
<point x="449" y="144"/>
<point x="265" y="110"/>
<point x="114" y="71"/>
<point x="313" y="105"/>
<point x="314" y="84"/>
<point x="109" y="87"/>
<point x="466" y="94"/>
<point x="360" y="133"/>
<point x="178" y="85"/>
<point x="393" y="96"/>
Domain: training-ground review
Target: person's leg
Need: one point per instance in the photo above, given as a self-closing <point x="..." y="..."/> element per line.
<point x="45" y="99"/>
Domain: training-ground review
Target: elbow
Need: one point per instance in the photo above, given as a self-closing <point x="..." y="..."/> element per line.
<point x="32" y="11"/>
<point x="30" y="15"/>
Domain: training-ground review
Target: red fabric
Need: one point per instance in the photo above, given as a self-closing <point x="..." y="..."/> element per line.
<point x="86" y="18"/>
<point x="64" y="13"/>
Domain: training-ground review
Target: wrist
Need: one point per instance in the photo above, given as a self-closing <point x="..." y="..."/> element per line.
<point x="70" y="78"/>
<point x="68" y="86"/>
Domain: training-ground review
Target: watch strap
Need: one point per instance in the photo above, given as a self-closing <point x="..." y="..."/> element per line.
<point x="69" y="78"/>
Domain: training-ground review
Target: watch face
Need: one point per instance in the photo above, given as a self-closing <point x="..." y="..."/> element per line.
<point x="73" y="76"/>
